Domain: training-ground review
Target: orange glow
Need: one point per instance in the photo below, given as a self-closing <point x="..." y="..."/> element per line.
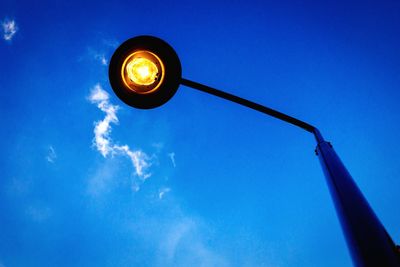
<point x="142" y="72"/>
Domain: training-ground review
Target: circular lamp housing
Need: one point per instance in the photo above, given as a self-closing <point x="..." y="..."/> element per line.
<point x="145" y="72"/>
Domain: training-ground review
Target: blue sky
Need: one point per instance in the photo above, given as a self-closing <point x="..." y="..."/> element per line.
<point x="88" y="181"/>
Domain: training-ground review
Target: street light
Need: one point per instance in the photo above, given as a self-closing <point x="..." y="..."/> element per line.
<point x="145" y="72"/>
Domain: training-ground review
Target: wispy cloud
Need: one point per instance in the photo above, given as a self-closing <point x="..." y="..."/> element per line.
<point x="9" y="28"/>
<point x="101" y="58"/>
<point x="97" y="56"/>
<point x="178" y="239"/>
<point x="163" y="191"/>
<point x="172" y="157"/>
<point x="186" y="236"/>
<point x="102" y="135"/>
<point x="102" y="128"/>
<point x="51" y="155"/>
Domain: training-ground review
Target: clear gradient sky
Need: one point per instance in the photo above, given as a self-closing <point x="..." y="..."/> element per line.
<point x="87" y="181"/>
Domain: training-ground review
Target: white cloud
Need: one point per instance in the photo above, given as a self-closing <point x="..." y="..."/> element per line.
<point x="139" y="159"/>
<point x="183" y="245"/>
<point x="178" y="240"/>
<point x="102" y="128"/>
<point x="103" y="141"/>
<point x="97" y="56"/>
<point x="172" y="157"/>
<point x="163" y="191"/>
<point x="9" y="28"/>
<point x="101" y="58"/>
<point x="51" y="155"/>
<point x="175" y="237"/>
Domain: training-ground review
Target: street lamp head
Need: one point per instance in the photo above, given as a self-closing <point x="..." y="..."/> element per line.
<point x="145" y="72"/>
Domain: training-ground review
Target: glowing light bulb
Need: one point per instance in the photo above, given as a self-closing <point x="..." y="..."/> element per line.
<point x="141" y="71"/>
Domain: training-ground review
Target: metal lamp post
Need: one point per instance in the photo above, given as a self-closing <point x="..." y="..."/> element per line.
<point x="145" y="72"/>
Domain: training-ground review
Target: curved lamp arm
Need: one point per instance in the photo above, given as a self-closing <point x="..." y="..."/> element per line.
<point x="263" y="109"/>
<point x="249" y="104"/>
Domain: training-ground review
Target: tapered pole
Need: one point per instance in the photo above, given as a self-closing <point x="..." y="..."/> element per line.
<point x="368" y="242"/>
